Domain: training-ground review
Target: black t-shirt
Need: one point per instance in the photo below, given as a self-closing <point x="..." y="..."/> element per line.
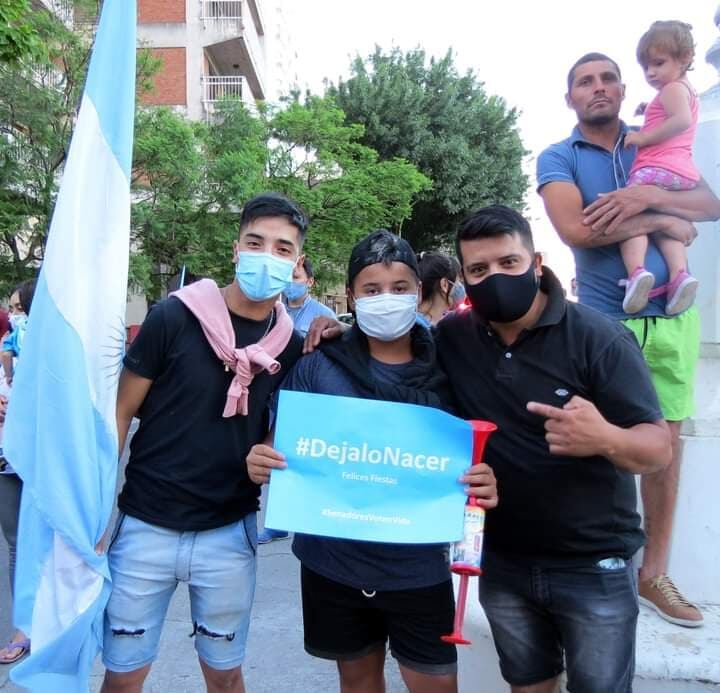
<point x="552" y="507"/>
<point x="187" y="468"/>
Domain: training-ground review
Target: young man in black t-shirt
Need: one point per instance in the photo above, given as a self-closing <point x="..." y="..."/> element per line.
<point x="577" y="417"/>
<point x="359" y="595"/>
<point x="187" y="506"/>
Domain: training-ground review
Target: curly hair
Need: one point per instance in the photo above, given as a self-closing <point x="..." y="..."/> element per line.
<point x="671" y="37"/>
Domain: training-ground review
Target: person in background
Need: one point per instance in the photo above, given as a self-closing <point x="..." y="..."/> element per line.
<point x="20" y="303"/>
<point x="303" y="309"/>
<point x="10" y="483"/>
<point x="4" y="323"/>
<point x="442" y="287"/>
<point x="582" y="181"/>
<point x="301" y="306"/>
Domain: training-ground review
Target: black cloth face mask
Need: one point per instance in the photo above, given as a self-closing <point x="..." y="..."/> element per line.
<point x="504" y="297"/>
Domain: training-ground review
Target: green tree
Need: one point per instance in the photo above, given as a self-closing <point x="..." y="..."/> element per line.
<point x="19" y="39"/>
<point x="191" y="180"/>
<point x="463" y="139"/>
<point x="38" y="105"/>
<point x="319" y="160"/>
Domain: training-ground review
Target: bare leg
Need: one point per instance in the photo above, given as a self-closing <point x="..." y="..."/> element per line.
<point x="428" y="683"/>
<point x="659" y="494"/>
<point x="674" y="253"/>
<point x="126" y="682"/>
<point x="364" y="675"/>
<point x="633" y="251"/>
<point x="218" y="681"/>
<point x="549" y="686"/>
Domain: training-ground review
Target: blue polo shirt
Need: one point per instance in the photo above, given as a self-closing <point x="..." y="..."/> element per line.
<point x="595" y="170"/>
<point x="303" y="315"/>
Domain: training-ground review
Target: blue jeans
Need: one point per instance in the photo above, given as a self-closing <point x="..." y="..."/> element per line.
<point x="146" y="564"/>
<point x="588" y="613"/>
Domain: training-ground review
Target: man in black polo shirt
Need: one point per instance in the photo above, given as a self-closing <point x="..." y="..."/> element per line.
<point x="188" y="507"/>
<point x="577" y="417"/>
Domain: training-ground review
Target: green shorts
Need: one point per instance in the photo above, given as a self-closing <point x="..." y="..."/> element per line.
<point x="671" y="347"/>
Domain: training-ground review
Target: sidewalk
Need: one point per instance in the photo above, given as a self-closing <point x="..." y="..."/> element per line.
<point x="275" y="659"/>
<point x="672" y="659"/>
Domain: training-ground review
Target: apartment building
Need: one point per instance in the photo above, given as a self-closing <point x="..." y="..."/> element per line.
<point x="210" y="49"/>
<point x="284" y="67"/>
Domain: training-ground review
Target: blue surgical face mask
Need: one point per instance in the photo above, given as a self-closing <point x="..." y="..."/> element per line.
<point x="262" y="275"/>
<point x="295" y="291"/>
<point x="457" y="295"/>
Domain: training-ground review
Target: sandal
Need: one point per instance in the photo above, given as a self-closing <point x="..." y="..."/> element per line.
<point x="23" y="647"/>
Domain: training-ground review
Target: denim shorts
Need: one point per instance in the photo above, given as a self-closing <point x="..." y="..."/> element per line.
<point x="545" y="619"/>
<point x="146" y="564"/>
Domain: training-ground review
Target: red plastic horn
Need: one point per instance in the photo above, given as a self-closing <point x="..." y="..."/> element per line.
<point x="467" y="554"/>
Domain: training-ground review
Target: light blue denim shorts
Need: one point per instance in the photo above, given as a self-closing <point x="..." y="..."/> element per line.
<point x="146" y="564"/>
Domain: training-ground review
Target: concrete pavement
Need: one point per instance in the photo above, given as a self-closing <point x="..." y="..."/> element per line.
<point x="275" y="659"/>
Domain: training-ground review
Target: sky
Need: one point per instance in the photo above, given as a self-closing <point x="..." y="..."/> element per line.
<point x="520" y="49"/>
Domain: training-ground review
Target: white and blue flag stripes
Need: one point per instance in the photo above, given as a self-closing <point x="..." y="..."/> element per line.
<point x="60" y="434"/>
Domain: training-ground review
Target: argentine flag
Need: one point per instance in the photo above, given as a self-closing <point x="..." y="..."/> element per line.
<point x="60" y="434"/>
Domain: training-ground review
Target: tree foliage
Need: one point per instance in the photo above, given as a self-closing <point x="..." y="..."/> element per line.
<point x="37" y="108"/>
<point x="39" y="99"/>
<point x="189" y="178"/>
<point x="463" y="139"/>
<point x="192" y="178"/>
<point x="19" y="39"/>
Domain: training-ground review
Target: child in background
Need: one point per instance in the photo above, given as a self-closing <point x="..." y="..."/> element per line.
<point x="664" y="159"/>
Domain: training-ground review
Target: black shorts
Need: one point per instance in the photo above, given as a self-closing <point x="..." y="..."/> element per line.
<point x="343" y="623"/>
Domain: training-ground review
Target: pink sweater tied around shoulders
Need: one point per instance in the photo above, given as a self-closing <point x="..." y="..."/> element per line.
<point x="204" y="300"/>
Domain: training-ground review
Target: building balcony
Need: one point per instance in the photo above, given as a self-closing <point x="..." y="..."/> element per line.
<point x="217" y="88"/>
<point x="233" y="9"/>
<point x="234" y="40"/>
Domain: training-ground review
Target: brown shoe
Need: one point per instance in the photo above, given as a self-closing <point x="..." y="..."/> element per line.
<point x="661" y="594"/>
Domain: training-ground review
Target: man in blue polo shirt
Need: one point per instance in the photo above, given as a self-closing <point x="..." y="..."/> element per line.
<point x="303" y="309"/>
<point x="581" y="181"/>
<point x="301" y="306"/>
